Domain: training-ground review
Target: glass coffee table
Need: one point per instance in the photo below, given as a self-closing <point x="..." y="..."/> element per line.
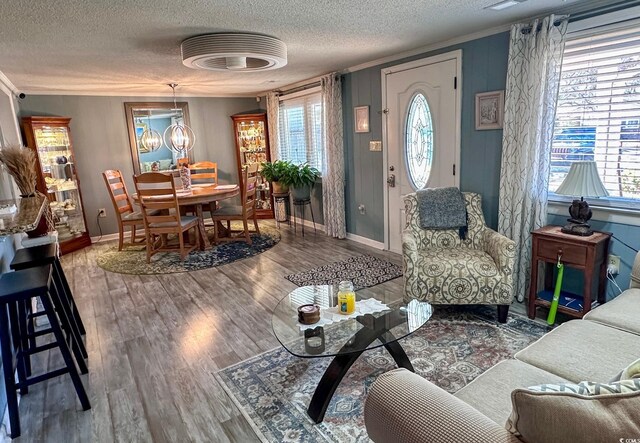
<point x="345" y="338"/>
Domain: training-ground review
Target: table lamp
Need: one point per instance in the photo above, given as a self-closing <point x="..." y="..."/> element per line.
<point x="582" y="180"/>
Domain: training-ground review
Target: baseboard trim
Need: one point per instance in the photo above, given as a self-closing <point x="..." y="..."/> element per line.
<point x="309" y="224"/>
<point x="365" y="241"/>
<point x="353" y="237"/>
<point x="104" y="238"/>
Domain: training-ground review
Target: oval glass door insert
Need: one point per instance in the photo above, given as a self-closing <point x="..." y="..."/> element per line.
<point x="418" y="145"/>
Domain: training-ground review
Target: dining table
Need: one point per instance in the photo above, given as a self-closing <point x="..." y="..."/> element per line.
<point x="199" y="196"/>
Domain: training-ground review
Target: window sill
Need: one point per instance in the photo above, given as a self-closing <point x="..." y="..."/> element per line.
<point x="601" y="213"/>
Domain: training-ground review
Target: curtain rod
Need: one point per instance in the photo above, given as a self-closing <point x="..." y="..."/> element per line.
<point x="299" y="88"/>
<point x="556" y="22"/>
<point x="606" y="9"/>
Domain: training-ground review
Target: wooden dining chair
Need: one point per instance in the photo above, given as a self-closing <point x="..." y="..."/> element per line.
<point x="161" y="214"/>
<point x="245" y="211"/>
<point x="204" y="172"/>
<point x="126" y="215"/>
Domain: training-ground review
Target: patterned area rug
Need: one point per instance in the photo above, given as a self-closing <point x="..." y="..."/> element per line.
<point x="133" y="259"/>
<point x="457" y="344"/>
<point x="363" y="270"/>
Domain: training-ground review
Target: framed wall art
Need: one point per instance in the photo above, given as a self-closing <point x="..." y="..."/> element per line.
<point x="489" y="110"/>
<point x="361" y="118"/>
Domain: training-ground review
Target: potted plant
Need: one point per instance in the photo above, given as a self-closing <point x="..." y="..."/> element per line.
<point x="301" y="178"/>
<point x="277" y="173"/>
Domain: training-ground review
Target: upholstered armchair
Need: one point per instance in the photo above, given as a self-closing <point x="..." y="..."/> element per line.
<point x="441" y="268"/>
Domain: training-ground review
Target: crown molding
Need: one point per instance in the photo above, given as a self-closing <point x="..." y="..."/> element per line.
<point x="7" y="84"/>
<point x="429" y="48"/>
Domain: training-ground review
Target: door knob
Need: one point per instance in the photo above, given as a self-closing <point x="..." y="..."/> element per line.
<point x="391" y="181"/>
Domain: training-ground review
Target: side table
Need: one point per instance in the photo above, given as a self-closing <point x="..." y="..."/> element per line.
<point x="588" y="254"/>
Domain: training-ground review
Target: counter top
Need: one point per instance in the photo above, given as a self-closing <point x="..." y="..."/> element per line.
<point x="27" y="216"/>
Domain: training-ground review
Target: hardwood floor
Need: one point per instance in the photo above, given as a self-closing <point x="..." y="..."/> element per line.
<point x="154" y="343"/>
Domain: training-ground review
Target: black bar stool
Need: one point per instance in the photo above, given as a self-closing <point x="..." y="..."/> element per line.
<point x="47" y="255"/>
<point x="16" y="290"/>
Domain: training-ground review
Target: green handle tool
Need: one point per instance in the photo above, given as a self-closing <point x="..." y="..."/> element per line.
<point x="551" y="318"/>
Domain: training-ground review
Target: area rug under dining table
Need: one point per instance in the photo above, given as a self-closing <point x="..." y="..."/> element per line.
<point x="133" y="259"/>
<point x="455" y="346"/>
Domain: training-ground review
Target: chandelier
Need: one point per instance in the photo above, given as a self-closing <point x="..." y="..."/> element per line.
<point x="179" y="137"/>
<point x="150" y="139"/>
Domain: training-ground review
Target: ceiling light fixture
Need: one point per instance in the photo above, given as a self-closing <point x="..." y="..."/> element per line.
<point x="150" y="138"/>
<point x="179" y="137"/>
<point x="234" y="52"/>
<point x="504" y="4"/>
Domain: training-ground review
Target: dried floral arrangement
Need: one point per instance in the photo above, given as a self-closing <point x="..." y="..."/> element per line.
<point x="21" y="165"/>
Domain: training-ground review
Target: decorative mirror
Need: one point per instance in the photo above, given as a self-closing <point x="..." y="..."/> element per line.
<point x="147" y="123"/>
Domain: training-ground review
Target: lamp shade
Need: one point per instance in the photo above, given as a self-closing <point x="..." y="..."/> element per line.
<point x="582" y="181"/>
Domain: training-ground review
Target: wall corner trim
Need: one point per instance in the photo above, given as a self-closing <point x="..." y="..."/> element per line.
<point x="8" y="84"/>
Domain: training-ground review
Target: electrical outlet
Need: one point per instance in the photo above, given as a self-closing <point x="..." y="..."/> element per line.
<point x="613" y="264"/>
<point x="102" y="212"/>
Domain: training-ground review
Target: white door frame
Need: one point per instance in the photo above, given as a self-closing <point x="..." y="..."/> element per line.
<point x="453" y="55"/>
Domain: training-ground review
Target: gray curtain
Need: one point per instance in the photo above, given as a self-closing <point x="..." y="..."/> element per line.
<point x="333" y="183"/>
<point x="273" y="119"/>
<point x="533" y="79"/>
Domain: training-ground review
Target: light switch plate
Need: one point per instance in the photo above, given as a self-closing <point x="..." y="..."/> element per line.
<point x="375" y="145"/>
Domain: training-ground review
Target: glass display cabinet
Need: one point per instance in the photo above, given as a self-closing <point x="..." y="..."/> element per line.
<point x="252" y="146"/>
<point x="50" y="138"/>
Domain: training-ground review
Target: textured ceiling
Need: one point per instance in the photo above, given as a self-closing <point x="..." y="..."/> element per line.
<point x="133" y="47"/>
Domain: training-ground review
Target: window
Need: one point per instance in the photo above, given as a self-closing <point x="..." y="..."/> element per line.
<point x="300" y="131"/>
<point x="418" y="145"/>
<point x="598" y="112"/>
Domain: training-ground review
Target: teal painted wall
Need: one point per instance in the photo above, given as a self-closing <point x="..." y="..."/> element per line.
<point x="484" y="68"/>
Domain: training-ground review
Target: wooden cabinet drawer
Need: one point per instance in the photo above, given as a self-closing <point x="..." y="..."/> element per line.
<point x="571" y="254"/>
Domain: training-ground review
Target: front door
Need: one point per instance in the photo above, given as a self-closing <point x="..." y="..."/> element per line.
<point x="422" y="133"/>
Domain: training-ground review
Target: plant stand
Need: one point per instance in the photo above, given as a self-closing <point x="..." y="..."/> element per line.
<point x="281" y="208"/>
<point x="301" y="204"/>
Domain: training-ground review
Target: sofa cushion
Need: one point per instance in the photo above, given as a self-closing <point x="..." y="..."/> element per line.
<point x="583" y="350"/>
<point x="548" y="416"/>
<point x="490" y="393"/>
<point x="623" y="312"/>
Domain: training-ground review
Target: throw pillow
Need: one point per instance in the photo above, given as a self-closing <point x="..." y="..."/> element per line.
<point x="165" y="165"/>
<point x="585" y="411"/>
<point x="631" y="371"/>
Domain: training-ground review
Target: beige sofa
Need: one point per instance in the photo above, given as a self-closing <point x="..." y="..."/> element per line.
<point x="403" y="407"/>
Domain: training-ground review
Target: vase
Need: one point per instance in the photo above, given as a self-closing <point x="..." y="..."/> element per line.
<point x="301" y="193"/>
<point x="279" y="188"/>
<point x="185" y="177"/>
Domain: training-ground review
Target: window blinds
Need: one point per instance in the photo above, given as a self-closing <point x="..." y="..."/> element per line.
<point x="300" y="130"/>
<point x="598" y="110"/>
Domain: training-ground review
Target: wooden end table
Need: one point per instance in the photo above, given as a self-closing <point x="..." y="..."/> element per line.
<point x="588" y="254"/>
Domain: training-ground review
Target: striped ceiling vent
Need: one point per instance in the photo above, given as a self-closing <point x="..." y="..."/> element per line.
<point x="234" y="52"/>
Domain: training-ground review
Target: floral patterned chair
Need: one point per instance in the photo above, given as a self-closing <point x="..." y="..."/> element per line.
<point x="441" y="268"/>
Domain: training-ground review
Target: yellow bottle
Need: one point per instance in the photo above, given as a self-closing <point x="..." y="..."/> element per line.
<point x="346" y="298"/>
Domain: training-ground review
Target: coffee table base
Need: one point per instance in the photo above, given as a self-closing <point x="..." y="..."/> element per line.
<point x="345" y="359"/>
